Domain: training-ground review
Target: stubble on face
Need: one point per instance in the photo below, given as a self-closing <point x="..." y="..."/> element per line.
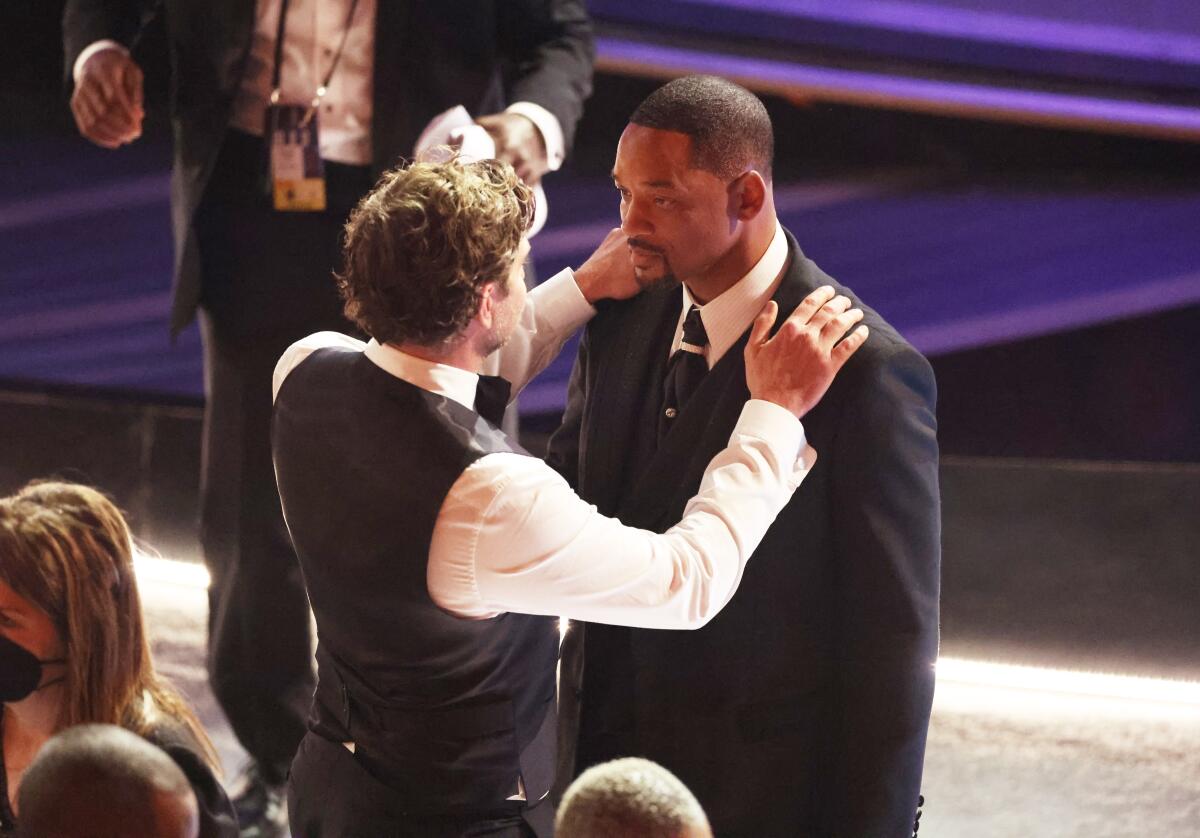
<point x="651" y="268"/>
<point x="510" y="306"/>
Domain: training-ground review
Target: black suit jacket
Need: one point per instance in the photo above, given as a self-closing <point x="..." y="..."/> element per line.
<point x="802" y="708"/>
<point x="429" y="56"/>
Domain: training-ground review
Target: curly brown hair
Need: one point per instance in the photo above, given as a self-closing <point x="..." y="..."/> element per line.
<point x="422" y="245"/>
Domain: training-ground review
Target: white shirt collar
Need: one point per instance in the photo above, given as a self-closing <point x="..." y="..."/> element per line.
<point x="452" y="382"/>
<point x="727" y="316"/>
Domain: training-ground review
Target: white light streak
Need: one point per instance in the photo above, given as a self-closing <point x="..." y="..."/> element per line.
<point x="987" y="681"/>
<point x="166" y="571"/>
<point x="1000" y="676"/>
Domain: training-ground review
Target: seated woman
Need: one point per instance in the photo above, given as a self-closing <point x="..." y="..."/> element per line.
<point x="74" y="647"/>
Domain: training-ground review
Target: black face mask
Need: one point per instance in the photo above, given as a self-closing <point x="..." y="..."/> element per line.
<point x="21" y="671"/>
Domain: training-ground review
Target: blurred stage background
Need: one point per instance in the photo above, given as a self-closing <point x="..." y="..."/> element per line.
<point x="1014" y="184"/>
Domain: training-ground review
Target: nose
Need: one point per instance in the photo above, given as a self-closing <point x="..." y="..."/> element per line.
<point x="633" y="219"/>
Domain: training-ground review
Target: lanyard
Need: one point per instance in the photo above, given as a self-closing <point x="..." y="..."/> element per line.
<point x="277" y="72"/>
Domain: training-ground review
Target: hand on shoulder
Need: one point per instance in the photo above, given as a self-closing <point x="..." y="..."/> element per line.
<point x="795" y="367"/>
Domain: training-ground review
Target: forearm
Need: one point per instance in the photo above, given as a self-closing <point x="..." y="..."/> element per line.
<point x="551" y="46"/>
<point x="529" y="544"/>
<point x="86" y="22"/>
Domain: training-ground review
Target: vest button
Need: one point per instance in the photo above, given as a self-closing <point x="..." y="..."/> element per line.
<point x="670" y="412"/>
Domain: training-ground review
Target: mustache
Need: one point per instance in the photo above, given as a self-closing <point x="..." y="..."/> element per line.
<point x="642" y="244"/>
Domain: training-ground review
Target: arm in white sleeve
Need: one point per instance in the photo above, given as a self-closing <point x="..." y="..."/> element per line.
<point x="92" y="49"/>
<point x="513" y="536"/>
<point x="553" y="312"/>
<point x="548" y="126"/>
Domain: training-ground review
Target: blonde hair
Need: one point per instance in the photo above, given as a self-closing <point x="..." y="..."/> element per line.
<point x="421" y="246"/>
<point x="631" y="797"/>
<point x="67" y="549"/>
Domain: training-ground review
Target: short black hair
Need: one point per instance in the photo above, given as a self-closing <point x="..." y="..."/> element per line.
<point x="101" y="780"/>
<point x="729" y="125"/>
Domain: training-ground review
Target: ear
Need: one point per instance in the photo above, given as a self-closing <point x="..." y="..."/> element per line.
<point x="488" y="295"/>
<point x="748" y="194"/>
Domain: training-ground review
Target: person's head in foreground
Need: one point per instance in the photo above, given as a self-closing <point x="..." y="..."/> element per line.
<point x="434" y="257"/>
<point x="102" y="781"/>
<point x="632" y="798"/>
<point x="693" y="170"/>
<point x="71" y="617"/>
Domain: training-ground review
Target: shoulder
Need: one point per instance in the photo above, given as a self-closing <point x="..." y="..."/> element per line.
<point x="302" y="349"/>
<point x="886" y="355"/>
<point x="217" y="817"/>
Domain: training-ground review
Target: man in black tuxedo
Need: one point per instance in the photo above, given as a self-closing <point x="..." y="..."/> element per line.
<point x="802" y="709"/>
<point x="379" y="72"/>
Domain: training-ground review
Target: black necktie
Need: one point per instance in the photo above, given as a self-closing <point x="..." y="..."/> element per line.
<point x="491" y="398"/>
<point x="684" y="371"/>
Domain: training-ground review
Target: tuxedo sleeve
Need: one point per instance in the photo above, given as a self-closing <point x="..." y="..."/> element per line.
<point x="887" y="528"/>
<point x="88" y="21"/>
<point x="548" y="56"/>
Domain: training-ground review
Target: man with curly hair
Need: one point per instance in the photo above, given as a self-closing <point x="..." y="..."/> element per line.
<point x="437" y="554"/>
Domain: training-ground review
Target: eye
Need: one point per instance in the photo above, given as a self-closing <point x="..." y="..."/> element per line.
<point x="664" y="203"/>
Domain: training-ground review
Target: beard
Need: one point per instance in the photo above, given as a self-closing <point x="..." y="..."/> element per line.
<point x="658" y="273"/>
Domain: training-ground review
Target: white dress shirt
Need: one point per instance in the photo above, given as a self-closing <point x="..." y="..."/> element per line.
<point x="727" y="317"/>
<point x="314" y="30"/>
<point x="512" y="535"/>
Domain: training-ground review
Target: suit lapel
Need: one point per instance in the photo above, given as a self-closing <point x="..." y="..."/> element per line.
<point x="631" y="346"/>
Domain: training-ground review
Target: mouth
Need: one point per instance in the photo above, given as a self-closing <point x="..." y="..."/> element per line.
<point x="640" y="254"/>
<point x="638" y="246"/>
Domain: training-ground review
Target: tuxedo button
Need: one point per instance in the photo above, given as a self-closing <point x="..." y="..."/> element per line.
<point x="670" y="412"/>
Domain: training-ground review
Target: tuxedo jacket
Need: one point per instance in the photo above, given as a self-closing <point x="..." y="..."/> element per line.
<point x="802" y="708"/>
<point x="429" y="56"/>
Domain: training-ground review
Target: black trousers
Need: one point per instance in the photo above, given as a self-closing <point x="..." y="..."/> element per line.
<point x="267" y="282"/>
<point x="331" y="796"/>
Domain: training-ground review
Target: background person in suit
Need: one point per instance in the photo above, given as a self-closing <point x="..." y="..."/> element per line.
<point x="802" y="709"/>
<point x="261" y="278"/>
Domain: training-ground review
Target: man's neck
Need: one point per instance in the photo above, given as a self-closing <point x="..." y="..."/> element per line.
<point x="738" y="261"/>
<point x="461" y="354"/>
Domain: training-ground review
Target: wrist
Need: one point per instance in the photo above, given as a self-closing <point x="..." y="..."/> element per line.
<point x="784" y="400"/>
<point x="588" y="284"/>
<point x="91" y="50"/>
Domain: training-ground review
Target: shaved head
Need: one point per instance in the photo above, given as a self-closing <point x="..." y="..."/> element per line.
<point x="729" y="126"/>
<point x="633" y="798"/>
<point x="104" y="782"/>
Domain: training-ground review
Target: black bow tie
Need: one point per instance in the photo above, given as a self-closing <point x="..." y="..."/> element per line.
<point x="491" y="397"/>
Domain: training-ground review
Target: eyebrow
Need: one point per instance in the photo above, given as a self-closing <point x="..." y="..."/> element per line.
<point x="653" y="184"/>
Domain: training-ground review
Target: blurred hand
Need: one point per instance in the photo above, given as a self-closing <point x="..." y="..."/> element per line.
<point x="518" y="143"/>
<point x="794" y="368"/>
<point x="608" y="273"/>
<point x="107" y="102"/>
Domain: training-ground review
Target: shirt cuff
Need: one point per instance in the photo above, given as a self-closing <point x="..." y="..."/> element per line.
<point x="561" y="303"/>
<point x="90" y="50"/>
<point x="548" y="126"/>
<point x="780" y="428"/>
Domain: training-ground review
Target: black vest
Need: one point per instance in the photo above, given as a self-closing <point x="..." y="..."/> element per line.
<point x="445" y="710"/>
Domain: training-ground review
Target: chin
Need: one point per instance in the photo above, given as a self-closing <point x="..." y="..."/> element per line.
<point x="653" y="279"/>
